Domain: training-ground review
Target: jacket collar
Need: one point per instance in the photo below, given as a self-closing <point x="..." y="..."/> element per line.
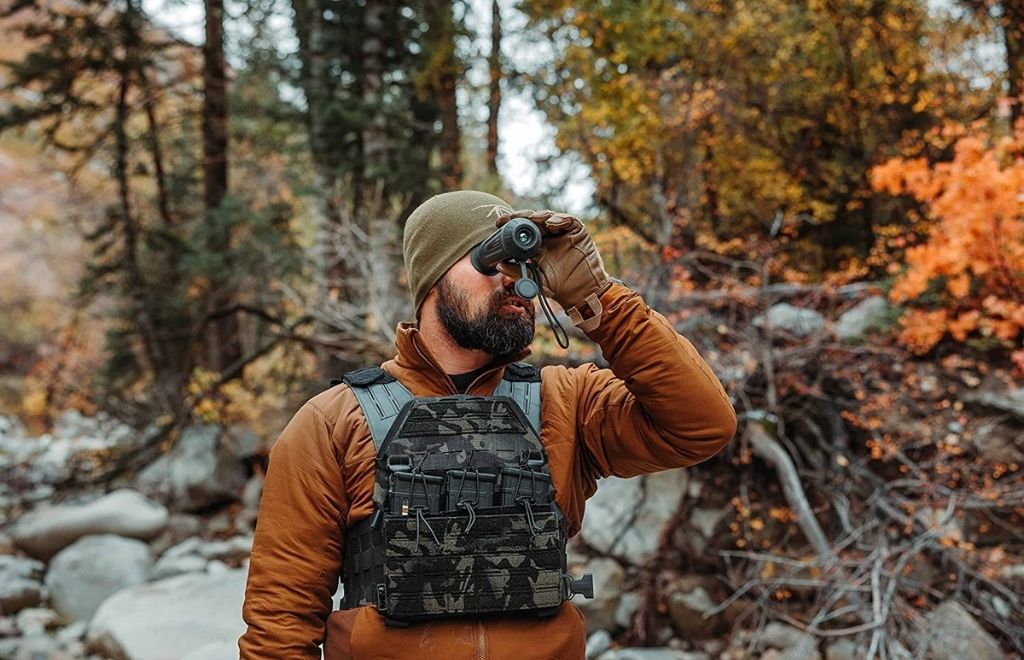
<point x="417" y="368"/>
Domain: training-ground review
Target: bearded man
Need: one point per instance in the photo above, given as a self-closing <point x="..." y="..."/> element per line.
<point x="422" y="576"/>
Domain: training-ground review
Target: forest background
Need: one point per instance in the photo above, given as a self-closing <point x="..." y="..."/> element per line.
<point x="208" y="230"/>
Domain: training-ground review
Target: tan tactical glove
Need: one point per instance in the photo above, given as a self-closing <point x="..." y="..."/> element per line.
<point x="572" y="271"/>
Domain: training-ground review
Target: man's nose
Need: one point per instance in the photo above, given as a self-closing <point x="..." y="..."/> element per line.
<point x="507" y="281"/>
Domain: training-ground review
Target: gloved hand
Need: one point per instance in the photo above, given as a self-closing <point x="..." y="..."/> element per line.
<point x="572" y="270"/>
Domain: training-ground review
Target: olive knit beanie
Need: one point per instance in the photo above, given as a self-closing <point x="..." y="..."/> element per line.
<point x="442" y="230"/>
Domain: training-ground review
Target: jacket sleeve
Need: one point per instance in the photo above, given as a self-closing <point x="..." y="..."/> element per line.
<point x="659" y="406"/>
<point x="296" y="553"/>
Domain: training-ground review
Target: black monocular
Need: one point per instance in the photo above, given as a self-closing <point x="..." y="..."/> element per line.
<point x="515" y="242"/>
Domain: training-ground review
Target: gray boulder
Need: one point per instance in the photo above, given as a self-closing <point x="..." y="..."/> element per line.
<point x="1010" y="402"/>
<point x="626" y="517"/>
<point x="844" y="649"/>
<point x="20" y="585"/>
<point x="34" y="621"/>
<point x="627" y="608"/>
<point x="92" y="568"/>
<point x="40" y="647"/>
<point x="798" y="321"/>
<point x="43" y="532"/>
<point x="869" y="314"/>
<point x="793" y="643"/>
<point x="214" y="651"/>
<point x="169" y="619"/>
<point x="599" y="611"/>
<point x="598" y="643"/>
<point x="166" y="567"/>
<point x="11" y="426"/>
<point x="687" y="609"/>
<point x="202" y="470"/>
<point x="700" y="529"/>
<point x="180" y="526"/>
<point x="953" y="634"/>
<point x="653" y="654"/>
<point x="49" y="457"/>
<point x="195" y="555"/>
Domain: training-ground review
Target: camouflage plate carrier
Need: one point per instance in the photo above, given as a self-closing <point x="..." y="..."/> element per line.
<point x="465" y="520"/>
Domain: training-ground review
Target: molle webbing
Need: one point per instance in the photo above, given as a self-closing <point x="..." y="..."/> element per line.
<point x="465" y="520"/>
<point x="381" y="396"/>
<point x="499" y="565"/>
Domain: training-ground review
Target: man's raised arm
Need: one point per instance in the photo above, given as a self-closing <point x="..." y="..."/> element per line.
<point x="659" y="406"/>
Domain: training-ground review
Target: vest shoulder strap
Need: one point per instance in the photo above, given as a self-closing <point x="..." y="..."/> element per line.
<point x="381" y="397"/>
<point x="521" y="383"/>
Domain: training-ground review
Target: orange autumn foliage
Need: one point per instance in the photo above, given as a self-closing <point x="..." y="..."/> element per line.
<point x="967" y="277"/>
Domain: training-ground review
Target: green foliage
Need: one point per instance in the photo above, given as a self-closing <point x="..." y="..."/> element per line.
<point x="702" y="121"/>
<point x="337" y="41"/>
<point x="155" y="250"/>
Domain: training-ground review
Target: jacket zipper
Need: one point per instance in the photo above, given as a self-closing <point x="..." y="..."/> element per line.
<point x="480" y="377"/>
<point x="481" y="652"/>
<point x="451" y="384"/>
<point x="439" y="370"/>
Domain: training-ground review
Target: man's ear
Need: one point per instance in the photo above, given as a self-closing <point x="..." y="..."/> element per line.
<point x="427" y="300"/>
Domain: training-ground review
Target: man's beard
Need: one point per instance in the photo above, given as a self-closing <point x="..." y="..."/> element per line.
<point x="492" y="331"/>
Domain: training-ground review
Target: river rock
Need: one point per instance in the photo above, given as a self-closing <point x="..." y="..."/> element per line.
<point x="627" y="609"/>
<point x="92" y="568"/>
<point x="687" y="609"/>
<point x="180" y="526"/>
<point x="598" y="643"/>
<point x="34" y="621"/>
<point x="798" y="321"/>
<point x="653" y="654"/>
<point x="1011" y="401"/>
<point x="214" y="651"/>
<point x="166" y="567"/>
<point x="251" y="495"/>
<point x="953" y="634"/>
<point x="169" y="619"/>
<point x="43" y="532"/>
<point x="74" y="440"/>
<point x="793" y="643"/>
<point x="626" y="517"/>
<point x="202" y="470"/>
<point x="844" y="649"/>
<point x="869" y="314"/>
<point x="608" y="578"/>
<point x="700" y="529"/>
<point x="20" y="583"/>
<point x="40" y="647"/>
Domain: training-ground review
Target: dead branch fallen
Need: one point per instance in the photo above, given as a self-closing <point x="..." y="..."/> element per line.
<point x="772" y="452"/>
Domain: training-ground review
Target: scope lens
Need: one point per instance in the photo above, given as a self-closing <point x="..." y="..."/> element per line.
<point x="523" y="236"/>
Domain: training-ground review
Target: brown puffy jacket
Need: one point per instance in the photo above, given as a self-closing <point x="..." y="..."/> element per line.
<point x="658" y="407"/>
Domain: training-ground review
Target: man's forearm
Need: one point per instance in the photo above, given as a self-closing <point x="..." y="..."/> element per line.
<point x="665" y="407"/>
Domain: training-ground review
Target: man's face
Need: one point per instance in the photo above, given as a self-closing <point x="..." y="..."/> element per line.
<point x="482" y="312"/>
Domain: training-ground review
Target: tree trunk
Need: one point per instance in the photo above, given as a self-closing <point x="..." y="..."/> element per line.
<point x="215" y="108"/>
<point x="135" y="282"/>
<point x="223" y="345"/>
<point x="317" y="87"/>
<point x="494" y="101"/>
<point x="375" y="145"/>
<point x="1013" y="38"/>
<point x="442" y="25"/>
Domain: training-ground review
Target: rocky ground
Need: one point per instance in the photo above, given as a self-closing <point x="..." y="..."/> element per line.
<point x="714" y="562"/>
<point x="154" y="567"/>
